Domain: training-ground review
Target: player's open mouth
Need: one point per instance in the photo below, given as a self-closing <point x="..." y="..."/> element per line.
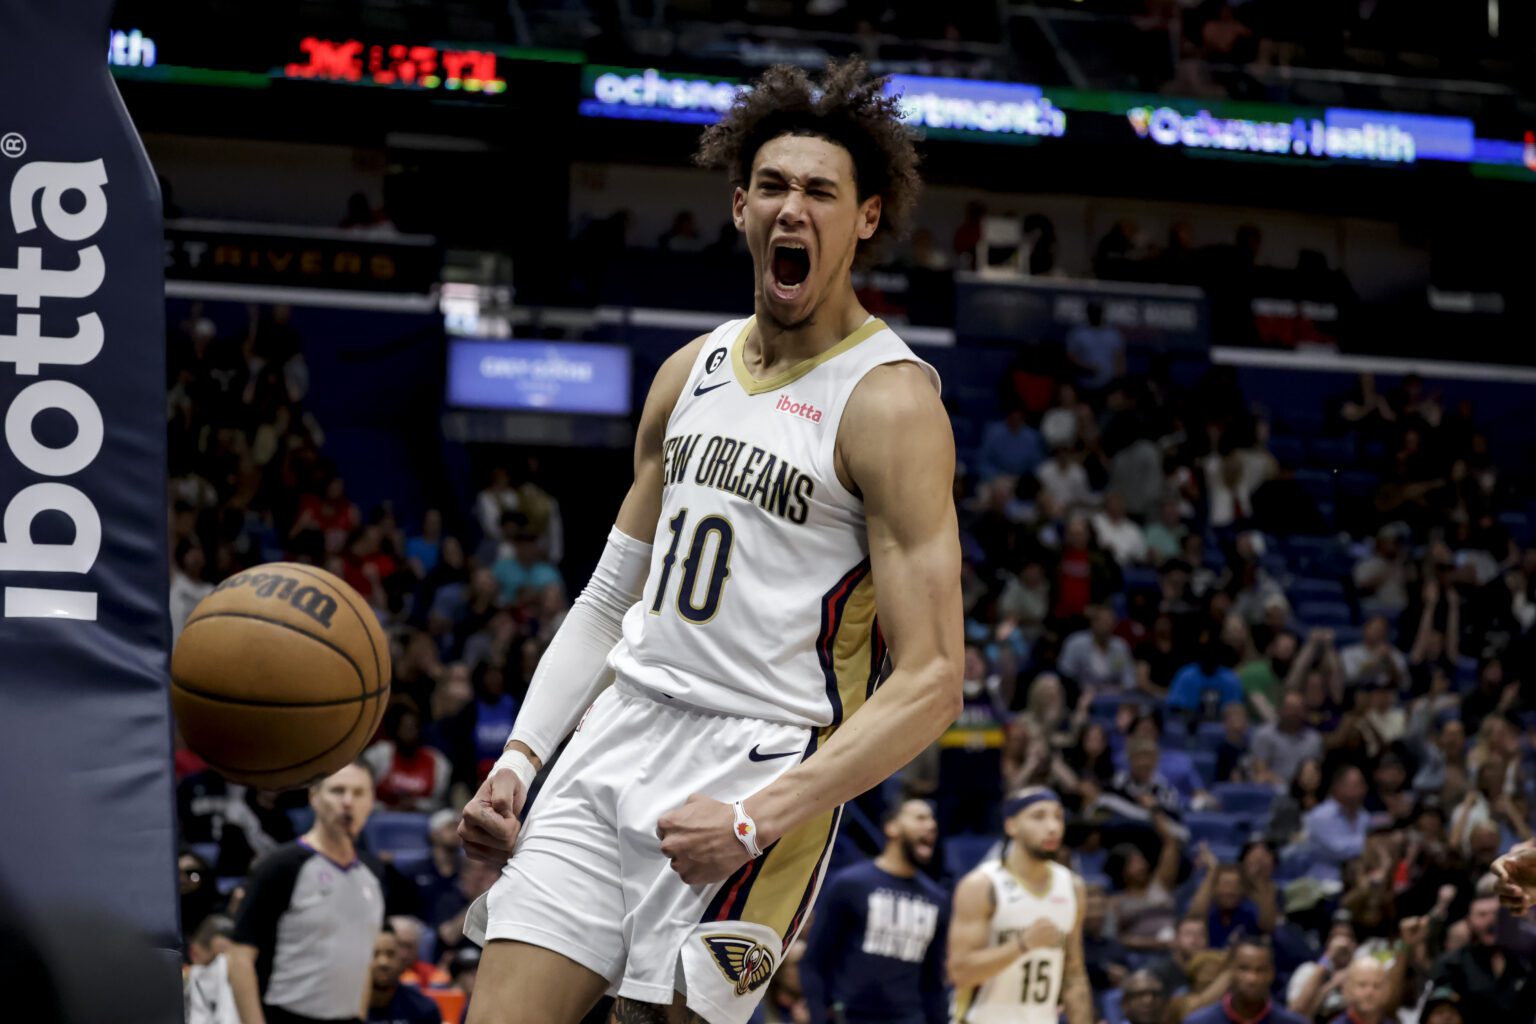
<point x="790" y="266"/>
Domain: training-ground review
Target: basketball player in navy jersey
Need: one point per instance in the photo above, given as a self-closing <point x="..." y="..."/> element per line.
<point x="790" y="525"/>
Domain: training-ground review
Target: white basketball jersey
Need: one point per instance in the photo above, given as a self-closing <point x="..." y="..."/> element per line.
<point x="760" y="601"/>
<point x="1028" y="990"/>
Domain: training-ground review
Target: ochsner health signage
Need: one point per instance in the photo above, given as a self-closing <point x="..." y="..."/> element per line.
<point x="951" y="107"/>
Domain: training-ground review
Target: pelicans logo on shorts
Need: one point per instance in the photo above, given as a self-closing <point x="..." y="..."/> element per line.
<point x="745" y="962"/>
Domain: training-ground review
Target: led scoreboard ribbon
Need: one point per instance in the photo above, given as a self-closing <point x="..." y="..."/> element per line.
<point x="396" y="64"/>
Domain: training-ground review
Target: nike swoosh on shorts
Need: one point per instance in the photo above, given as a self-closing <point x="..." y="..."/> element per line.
<point x="755" y="756"/>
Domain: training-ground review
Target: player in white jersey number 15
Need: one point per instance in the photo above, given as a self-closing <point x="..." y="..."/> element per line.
<point x="1016" y="934"/>
<point x="790" y="527"/>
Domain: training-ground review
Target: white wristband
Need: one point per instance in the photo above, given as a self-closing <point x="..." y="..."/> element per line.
<point x="745" y="830"/>
<point x="516" y="762"/>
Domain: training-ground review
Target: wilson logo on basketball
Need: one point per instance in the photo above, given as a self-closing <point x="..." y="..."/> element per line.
<point x="805" y="410"/>
<point x="312" y="601"/>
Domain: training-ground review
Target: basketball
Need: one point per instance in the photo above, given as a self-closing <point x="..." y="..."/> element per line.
<point x="281" y="676"/>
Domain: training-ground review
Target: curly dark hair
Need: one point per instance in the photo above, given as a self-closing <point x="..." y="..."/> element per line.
<point x="851" y="110"/>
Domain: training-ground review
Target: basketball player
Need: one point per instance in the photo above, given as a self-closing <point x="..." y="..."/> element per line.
<point x="1016" y="935"/>
<point x="794" y="472"/>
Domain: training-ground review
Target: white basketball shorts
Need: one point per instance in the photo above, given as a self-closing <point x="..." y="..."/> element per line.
<point x="588" y="879"/>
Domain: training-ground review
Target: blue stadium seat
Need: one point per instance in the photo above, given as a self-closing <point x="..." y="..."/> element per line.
<point x="1324" y="613"/>
<point x="1246" y="798"/>
<point x="208" y="851"/>
<point x="1309" y="588"/>
<point x="396" y="831"/>
<point x="1226" y="853"/>
<point x="1343" y="636"/>
<point x="1354" y="483"/>
<point x="1205" y="763"/>
<point x="1466" y="669"/>
<point x="409" y="862"/>
<point x="1332" y="452"/>
<point x="1216" y="827"/>
<point x="1286" y="450"/>
<point x="1208" y="735"/>
<point x="1139" y="578"/>
<point x="1113" y="1013"/>
<point x="1317" y="483"/>
<point x="1518" y="525"/>
<point x="1092" y="860"/>
<point x="301" y="818"/>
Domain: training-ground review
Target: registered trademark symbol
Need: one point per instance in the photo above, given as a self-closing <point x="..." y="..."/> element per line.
<point x="13" y="145"/>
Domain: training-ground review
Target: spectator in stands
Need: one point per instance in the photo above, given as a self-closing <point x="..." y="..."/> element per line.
<point x="463" y="969"/>
<point x="1165" y="538"/>
<point x="1091" y="766"/>
<point x="412" y="776"/>
<point x="409" y="932"/>
<point x="1189" y="942"/>
<point x="477" y="734"/>
<point x="876" y="949"/>
<point x="423" y="550"/>
<point x="968" y="235"/>
<point x="390" y="1002"/>
<point x="495" y="501"/>
<point x="1083" y="575"/>
<point x="1095" y="658"/>
<point x="1336" y="828"/>
<point x="1140" y="790"/>
<point x="1221" y="897"/>
<point x="1443" y="1006"/>
<point x="1064" y="481"/>
<point x="1025" y="602"/>
<point x="188" y="587"/>
<point x="1316" y="987"/>
<point x="1058" y="427"/>
<point x="1280" y="747"/>
<point x="1203" y="687"/>
<point x="1107" y="960"/>
<point x="1010" y="447"/>
<point x="1142" y="903"/>
<point x="682" y="236"/>
<point x="198" y="888"/>
<point x="1289" y="811"/>
<point x="1495" y="982"/>
<point x="1096" y="350"/>
<point x="1143" y="998"/>
<point x="1374" y="655"/>
<point x="1118" y="534"/>
<point x="304" y="937"/>
<point x="1172" y="764"/>
<point x="1248" y="1000"/>
<point x="1442" y="763"/>
<point x="525" y="576"/>
<point x="1159" y="657"/>
<point x="1368" y="993"/>
<point x="1232" y="756"/>
<point x="209" y="999"/>
<point x="438" y="880"/>
<point x="1382" y="576"/>
<point x="1492" y="695"/>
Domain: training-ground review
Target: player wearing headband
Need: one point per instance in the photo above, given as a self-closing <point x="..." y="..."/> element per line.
<point x="1016" y="936"/>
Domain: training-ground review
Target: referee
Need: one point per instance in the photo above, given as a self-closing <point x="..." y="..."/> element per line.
<point x="303" y="943"/>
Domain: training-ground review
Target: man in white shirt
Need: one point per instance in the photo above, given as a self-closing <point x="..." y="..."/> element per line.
<point x="1095" y="657"/>
<point x="1374" y="654"/>
<point x="1063" y="480"/>
<point x="1117" y="533"/>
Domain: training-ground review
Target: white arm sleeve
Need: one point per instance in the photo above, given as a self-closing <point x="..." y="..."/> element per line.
<point x="575" y="668"/>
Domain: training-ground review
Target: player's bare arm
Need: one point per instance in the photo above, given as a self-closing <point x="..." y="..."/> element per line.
<point x="1076" y="995"/>
<point x="896" y="445"/>
<point x="490" y="824"/>
<point x="972" y="959"/>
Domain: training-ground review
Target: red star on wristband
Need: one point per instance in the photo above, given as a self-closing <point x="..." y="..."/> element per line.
<point x="743" y="829"/>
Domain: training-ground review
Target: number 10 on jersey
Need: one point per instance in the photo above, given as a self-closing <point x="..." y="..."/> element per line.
<point x="689" y="605"/>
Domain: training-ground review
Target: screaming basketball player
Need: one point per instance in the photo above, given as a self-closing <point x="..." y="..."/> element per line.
<point x="790" y="525"/>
